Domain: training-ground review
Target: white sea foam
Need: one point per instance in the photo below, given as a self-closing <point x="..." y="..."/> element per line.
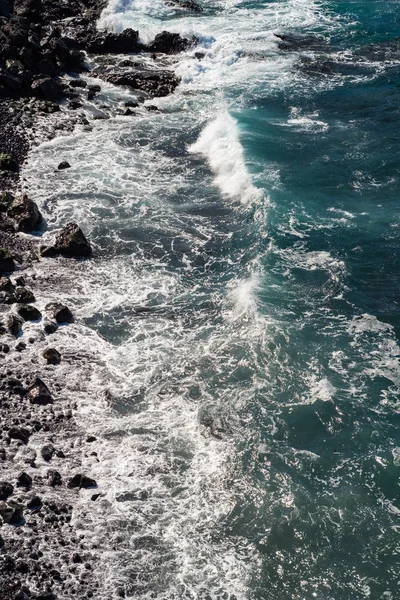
<point x="219" y="142"/>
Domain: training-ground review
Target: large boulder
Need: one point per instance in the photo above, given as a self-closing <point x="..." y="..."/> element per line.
<point x="70" y="242"/>
<point x="23" y="295"/>
<point x="47" y="88"/>
<point x="118" y="43"/>
<point x="14" y="325"/>
<point x="29" y="312"/>
<point x="19" y="433"/>
<point x="7" y="263"/>
<point x="155" y="83"/>
<point x="170" y="43"/>
<point x="26" y="214"/>
<point x="81" y="481"/>
<point x="11" y="513"/>
<point x="52" y="356"/>
<point x="60" y="312"/>
<point x="38" y="393"/>
<point x="6" y="490"/>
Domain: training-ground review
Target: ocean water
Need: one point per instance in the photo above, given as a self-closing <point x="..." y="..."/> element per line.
<point x="236" y="348"/>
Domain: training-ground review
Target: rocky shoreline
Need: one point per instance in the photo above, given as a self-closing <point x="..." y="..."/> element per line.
<point x="44" y="49"/>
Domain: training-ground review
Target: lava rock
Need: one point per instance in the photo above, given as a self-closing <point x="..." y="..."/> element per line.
<point x="23" y="295"/>
<point x="6" y="490"/>
<point x="24" y="480"/>
<point x="8" y="163"/>
<point x="14" y="325"/>
<point x="47" y="88"/>
<point x="63" y="165"/>
<point x="6" y="199"/>
<point x="11" y="513"/>
<point x="35" y="503"/>
<point x="81" y="481"/>
<point x="54" y="478"/>
<point x="19" y="433"/>
<point x="117" y="43"/>
<point x="26" y="214"/>
<point x="170" y="43"/>
<point x="7" y="264"/>
<point x="6" y="285"/>
<point x="70" y="242"/>
<point x="76" y="558"/>
<point x="38" y="393"/>
<point x="28" y="312"/>
<point x="52" y="356"/>
<point x="47" y="452"/>
<point x="60" y="312"/>
<point x="50" y="327"/>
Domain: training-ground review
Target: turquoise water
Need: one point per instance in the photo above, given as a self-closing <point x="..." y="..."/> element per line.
<point x="243" y="308"/>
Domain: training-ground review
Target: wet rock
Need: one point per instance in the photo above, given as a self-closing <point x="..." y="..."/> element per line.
<point x="186" y="4"/>
<point x="24" y="480"/>
<point x="28" y="312"/>
<point x="113" y="43"/>
<point x="170" y="43"/>
<point x="81" y="481"/>
<point x="19" y="433"/>
<point x="7" y="298"/>
<point x="6" y="285"/>
<point x="50" y="327"/>
<point x="54" y="478"/>
<point x="47" y="452"/>
<point x="14" y="325"/>
<point x="46" y="596"/>
<point x="60" y="312"/>
<point x="128" y="112"/>
<point x="26" y="214"/>
<point x="6" y="490"/>
<point x="20" y="346"/>
<point x="63" y="165"/>
<point x="77" y="83"/>
<point x="38" y="393"/>
<point x="23" y="295"/>
<point x="70" y="242"/>
<point x="8" y="163"/>
<point x="52" y="356"/>
<point x="11" y="513"/>
<point x="35" y="503"/>
<point x="155" y="83"/>
<point x="47" y="88"/>
<point x="7" y="264"/>
<point x="76" y="558"/>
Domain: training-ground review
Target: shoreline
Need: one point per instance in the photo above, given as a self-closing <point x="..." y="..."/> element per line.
<point x="44" y="451"/>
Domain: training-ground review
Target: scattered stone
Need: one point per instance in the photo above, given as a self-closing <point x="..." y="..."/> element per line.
<point x="128" y="112"/>
<point x="76" y="558"/>
<point x="47" y="452"/>
<point x="6" y="490"/>
<point x="54" y="478"/>
<point x="63" y="165"/>
<point x="24" y="480"/>
<point x="7" y="264"/>
<point x="50" y="327"/>
<point x="38" y="393"/>
<point x="35" y="503"/>
<point x="60" y="312"/>
<point x="11" y="513"/>
<point x="81" y="481"/>
<point x="6" y="285"/>
<point x="14" y="325"/>
<point x="91" y="439"/>
<point x="19" y="433"/>
<point x="52" y="356"/>
<point x="20" y="346"/>
<point x="70" y="242"/>
<point x="29" y="312"/>
<point x="23" y="295"/>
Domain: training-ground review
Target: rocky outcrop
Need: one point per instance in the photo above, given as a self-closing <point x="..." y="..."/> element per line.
<point x="52" y="356"/>
<point x="156" y="83"/>
<point x="60" y="312"/>
<point x="7" y="263"/>
<point x="170" y="43"/>
<point x="70" y="242"/>
<point x="81" y="481"/>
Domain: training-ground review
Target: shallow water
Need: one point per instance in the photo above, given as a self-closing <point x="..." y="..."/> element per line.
<point x="241" y="313"/>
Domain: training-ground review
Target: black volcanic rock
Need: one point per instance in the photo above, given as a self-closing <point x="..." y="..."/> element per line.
<point x="6" y="490"/>
<point x="63" y="165"/>
<point x="19" y="433"/>
<point x="170" y="43"/>
<point x="29" y="312"/>
<point x="113" y="43"/>
<point x="52" y="356"/>
<point x="156" y="83"/>
<point x="70" y="242"/>
<point x="38" y="393"/>
<point x="26" y="214"/>
<point x="7" y="264"/>
<point x="81" y="481"/>
<point x="60" y="312"/>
